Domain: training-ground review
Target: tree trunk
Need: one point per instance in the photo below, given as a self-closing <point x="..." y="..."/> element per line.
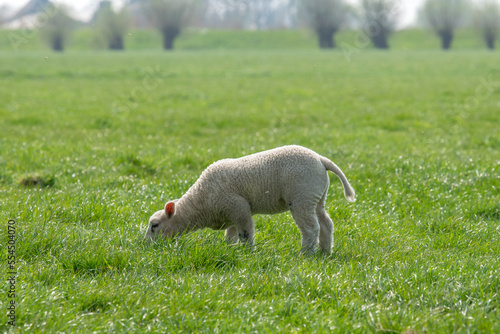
<point x="57" y="43"/>
<point x="325" y="39"/>
<point x="490" y="42"/>
<point x="380" y="41"/>
<point x="446" y="39"/>
<point x="116" y="43"/>
<point x="169" y="35"/>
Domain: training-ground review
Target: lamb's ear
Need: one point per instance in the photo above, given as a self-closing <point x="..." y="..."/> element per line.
<point x="170" y="209"/>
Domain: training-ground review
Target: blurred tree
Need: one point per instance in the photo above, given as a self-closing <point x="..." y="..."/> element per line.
<point x="112" y="25"/>
<point x="444" y="16"/>
<point x="170" y="17"/>
<point x="488" y="21"/>
<point x="57" y="26"/>
<point x="325" y="17"/>
<point x="379" y="20"/>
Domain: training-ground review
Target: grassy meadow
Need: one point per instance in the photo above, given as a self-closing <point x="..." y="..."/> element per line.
<point x="94" y="142"/>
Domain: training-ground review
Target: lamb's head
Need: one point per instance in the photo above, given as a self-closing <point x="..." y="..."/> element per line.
<point x="164" y="223"/>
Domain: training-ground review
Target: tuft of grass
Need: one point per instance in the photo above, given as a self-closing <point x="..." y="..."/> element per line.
<point x="94" y="303"/>
<point x="488" y="212"/>
<point x="133" y="165"/>
<point x="37" y="181"/>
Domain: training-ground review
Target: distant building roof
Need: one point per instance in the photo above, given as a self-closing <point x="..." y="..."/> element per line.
<point x="31" y="8"/>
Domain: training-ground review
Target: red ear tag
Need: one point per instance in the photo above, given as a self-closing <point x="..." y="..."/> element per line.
<point x="169" y="209"/>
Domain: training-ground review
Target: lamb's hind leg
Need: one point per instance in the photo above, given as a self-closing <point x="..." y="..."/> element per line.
<point x="305" y="217"/>
<point x="326" y="227"/>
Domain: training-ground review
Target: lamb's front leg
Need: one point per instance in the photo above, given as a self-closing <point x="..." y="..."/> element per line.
<point x="231" y="235"/>
<point x="246" y="230"/>
<point x="241" y="216"/>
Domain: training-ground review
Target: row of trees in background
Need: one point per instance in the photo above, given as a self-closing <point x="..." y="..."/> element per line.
<point x="326" y="17"/>
<point x="376" y="19"/>
<point x="169" y="16"/>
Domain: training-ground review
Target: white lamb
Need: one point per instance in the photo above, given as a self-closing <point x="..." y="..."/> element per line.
<point x="230" y="191"/>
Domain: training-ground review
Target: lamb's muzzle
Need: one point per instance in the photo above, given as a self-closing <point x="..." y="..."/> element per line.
<point x="230" y="191"/>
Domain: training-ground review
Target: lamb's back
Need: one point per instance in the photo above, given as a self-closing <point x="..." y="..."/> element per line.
<point x="265" y="179"/>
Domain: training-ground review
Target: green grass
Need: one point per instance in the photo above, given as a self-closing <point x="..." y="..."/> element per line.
<point x="93" y="143"/>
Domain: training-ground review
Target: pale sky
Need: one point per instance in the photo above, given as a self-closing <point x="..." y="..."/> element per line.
<point x="83" y="9"/>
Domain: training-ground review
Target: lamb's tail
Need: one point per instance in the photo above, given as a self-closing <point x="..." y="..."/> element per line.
<point x="348" y="191"/>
